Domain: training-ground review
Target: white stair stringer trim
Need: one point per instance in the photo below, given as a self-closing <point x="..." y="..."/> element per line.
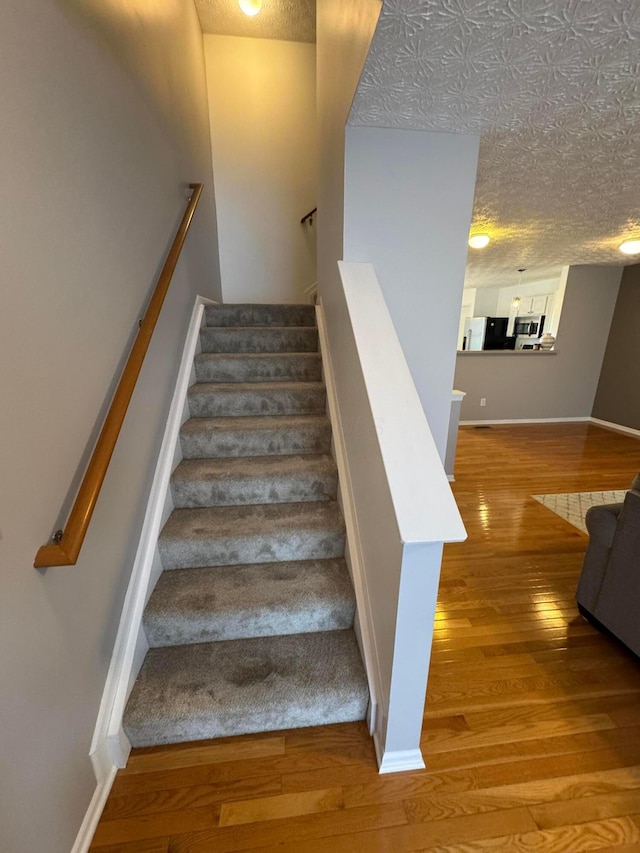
<point x="110" y="746"/>
<point x="353" y="551"/>
<point x="398" y="761"/>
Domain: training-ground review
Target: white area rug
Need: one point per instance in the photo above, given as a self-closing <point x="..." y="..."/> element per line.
<point x="573" y="506"/>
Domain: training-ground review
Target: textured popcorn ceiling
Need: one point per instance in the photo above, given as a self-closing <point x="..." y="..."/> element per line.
<point x="553" y="88"/>
<point x="288" y="20"/>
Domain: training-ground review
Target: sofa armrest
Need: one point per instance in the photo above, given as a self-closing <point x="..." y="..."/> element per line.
<point x="618" y="602"/>
<point x="602" y="521"/>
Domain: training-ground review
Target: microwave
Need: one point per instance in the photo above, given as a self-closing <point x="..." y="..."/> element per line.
<point x="532" y="325"/>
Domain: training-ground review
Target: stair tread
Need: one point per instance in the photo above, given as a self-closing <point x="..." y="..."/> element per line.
<point x="259" y="315"/>
<point x="232" y="687"/>
<point x="257" y="367"/>
<point x="254" y="480"/>
<point x="229" y="399"/>
<point x="199" y="522"/>
<point x="231" y="602"/>
<point x="255" y="533"/>
<point x="247" y="435"/>
<point x="256" y="328"/>
<point x="257" y="356"/>
<point x="254" y="466"/>
<point x="259" y="339"/>
<point x="253" y="387"/>
<point x="261" y="422"/>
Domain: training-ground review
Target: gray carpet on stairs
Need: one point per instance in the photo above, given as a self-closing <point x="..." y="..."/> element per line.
<point x="255" y="339"/>
<point x="251" y="622"/>
<point x="208" y="399"/>
<point x="263" y="367"/>
<point x="251" y="314"/>
<point x="262" y="599"/>
<point x="264" y="533"/>
<point x="282" y="435"/>
<point x="254" y="480"/>
<point x="235" y="687"/>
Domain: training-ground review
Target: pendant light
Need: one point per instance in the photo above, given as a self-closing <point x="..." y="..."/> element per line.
<point x="516" y="301"/>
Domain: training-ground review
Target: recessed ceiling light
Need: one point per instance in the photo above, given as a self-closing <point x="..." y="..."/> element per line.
<point x="250" y="7"/>
<point x="479" y="241"/>
<point x="630" y="247"/>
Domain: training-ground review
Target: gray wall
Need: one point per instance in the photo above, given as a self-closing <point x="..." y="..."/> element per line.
<point x="408" y="198"/>
<point x="540" y="386"/>
<point x="104" y="121"/>
<point x="262" y="108"/>
<point x="618" y="394"/>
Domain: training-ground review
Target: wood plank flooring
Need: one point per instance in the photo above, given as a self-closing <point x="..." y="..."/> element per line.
<point x="532" y="723"/>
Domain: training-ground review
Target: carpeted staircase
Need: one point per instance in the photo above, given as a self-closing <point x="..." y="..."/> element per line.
<point x="251" y="622"/>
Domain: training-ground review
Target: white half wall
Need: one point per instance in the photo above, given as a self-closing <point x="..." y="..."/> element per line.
<point x="531" y="385"/>
<point x="407" y="211"/>
<point x="263" y="140"/>
<point x="403" y="510"/>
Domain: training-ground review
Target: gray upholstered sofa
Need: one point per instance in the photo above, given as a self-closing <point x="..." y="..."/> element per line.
<point x="609" y="587"/>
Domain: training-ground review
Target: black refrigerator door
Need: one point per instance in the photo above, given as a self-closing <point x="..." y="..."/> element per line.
<point x="497" y="327"/>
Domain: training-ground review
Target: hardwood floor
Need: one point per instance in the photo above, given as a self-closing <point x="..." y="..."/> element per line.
<point x="532" y="723"/>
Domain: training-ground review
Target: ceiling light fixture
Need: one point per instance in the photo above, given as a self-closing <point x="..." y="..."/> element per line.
<point x="630" y="247"/>
<point x="250" y="7"/>
<point x="479" y="241"/>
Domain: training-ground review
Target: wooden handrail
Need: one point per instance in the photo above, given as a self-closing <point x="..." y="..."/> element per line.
<point x="66" y="548"/>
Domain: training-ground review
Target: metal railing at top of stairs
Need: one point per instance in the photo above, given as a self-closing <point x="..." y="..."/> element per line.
<point x="67" y="543"/>
<point x="308" y="217"/>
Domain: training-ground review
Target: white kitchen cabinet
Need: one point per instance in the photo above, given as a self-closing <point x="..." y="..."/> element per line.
<point x="534" y="304"/>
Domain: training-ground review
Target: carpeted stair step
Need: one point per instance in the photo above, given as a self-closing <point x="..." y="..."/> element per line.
<point x="233" y="687"/>
<point x="255" y="480"/>
<point x="266" y="533"/>
<point x="260" y="315"/>
<point x="259" y="600"/>
<point x="258" y="367"/>
<point x="210" y="400"/>
<point x="261" y="436"/>
<point x="259" y="339"/>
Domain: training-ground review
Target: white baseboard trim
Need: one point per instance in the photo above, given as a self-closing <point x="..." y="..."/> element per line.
<point x="354" y="547"/>
<point x="110" y="746"/>
<point x="93" y="813"/>
<point x="615" y="427"/>
<point x="102" y="761"/>
<point x="488" y="422"/>
<point x="398" y="761"/>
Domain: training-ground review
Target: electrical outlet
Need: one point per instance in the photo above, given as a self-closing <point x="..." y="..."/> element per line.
<point x="483" y="401"/>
